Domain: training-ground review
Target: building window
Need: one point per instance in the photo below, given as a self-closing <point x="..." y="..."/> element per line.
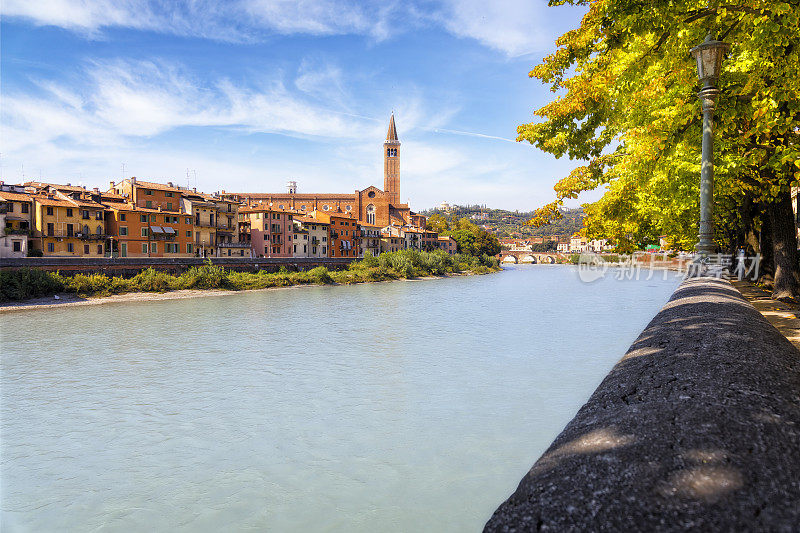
<point x="144" y="232"/>
<point x="148" y="204"/>
<point x="18" y="244"/>
<point x="370" y="214"/>
<point x="188" y="220"/>
<point x="302" y="208"/>
<point x="169" y="206"/>
<point x="51" y="247"/>
<point x="50" y="211"/>
<point x="188" y="233"/>
<point x="85" y="214"/>
<point x="295" y="248"/>
<point x="123" y="231"/>
<point x="85" y="249"/>
<point x="85" y="230"/>
<point x="325" y="207"/>
<point x="148" y="193"/>
<point x="143" y="219"/>
<point x="168" y="194"/>
<point x="122" y="217"/>
<point x="100" y="249"/>
<point x="371" y="194"/>
<point x="188" y="247"/>
<point x="324" y="249"/>
<point x="69" y="211"/>
<point x="153" y="247"/>
<point x="348" y="208"/>
<point x="70" y="247"/>
<point x="24" y="208"/>
<point x="144" y="247"/>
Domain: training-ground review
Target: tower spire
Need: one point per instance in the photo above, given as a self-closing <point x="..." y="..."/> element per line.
<point x="391" y="135"/>
<point x="391" y="164"/>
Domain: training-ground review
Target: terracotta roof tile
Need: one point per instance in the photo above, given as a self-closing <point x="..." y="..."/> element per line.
<point x="15" y="197"/>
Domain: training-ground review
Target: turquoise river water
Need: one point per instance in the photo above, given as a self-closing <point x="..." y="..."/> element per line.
<point x="405" y="406"/>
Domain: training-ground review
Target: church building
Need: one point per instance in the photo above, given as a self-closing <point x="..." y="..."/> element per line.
<point x="371" y="206"/>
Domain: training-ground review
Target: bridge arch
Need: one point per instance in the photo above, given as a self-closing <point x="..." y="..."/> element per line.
<point x="510" y="258"/>
<point x="528" y="259"/>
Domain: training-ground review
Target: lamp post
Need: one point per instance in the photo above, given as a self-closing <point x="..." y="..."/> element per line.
<point x="709" y="61"/>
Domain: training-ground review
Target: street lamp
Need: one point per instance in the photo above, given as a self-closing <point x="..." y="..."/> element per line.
<point x="709" y="62"/>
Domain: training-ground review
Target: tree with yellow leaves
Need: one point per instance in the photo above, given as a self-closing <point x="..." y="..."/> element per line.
<point x="626" y="106"/>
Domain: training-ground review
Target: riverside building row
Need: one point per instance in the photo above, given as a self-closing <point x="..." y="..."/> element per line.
<point x="136" y="218"/>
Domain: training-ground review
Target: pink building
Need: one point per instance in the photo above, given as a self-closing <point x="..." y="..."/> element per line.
<point x="271" y="230"/>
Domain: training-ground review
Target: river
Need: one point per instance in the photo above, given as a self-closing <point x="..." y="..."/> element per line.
<point x="403" y="406"/>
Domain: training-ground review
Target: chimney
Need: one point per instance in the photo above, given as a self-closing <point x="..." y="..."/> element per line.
<point x="69" y="185"/>
<point x="133" y="180"/>
<point x="96" y="190"/>
<point x="194" y="189"/>
<point x="169" y="184"/>
<point x="111" y="185"/>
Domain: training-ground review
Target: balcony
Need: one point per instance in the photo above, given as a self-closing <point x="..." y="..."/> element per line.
<point x="17" y="231"/>
<point x="234" y="245"/>
<point x="91" y="236"/>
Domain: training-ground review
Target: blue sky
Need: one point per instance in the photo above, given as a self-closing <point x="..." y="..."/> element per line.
<point x="247" y="94"/>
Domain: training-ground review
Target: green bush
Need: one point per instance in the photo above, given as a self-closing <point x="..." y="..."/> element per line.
<point x="29" y="283"/>
<point x="151" y="280"/>
<point x="89" y="284"/>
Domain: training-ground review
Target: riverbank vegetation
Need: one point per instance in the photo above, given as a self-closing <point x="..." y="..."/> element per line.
<point x="627" y="109"/>
<point x="29" y="283"/>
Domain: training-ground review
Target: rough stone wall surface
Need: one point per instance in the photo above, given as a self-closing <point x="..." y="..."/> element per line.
<point x="696" y="428"/>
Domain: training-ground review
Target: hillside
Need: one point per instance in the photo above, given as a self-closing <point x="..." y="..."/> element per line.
<point x="504" y="223"/>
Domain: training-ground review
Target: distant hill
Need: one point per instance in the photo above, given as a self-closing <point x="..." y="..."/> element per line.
<point x="505" y="223"/>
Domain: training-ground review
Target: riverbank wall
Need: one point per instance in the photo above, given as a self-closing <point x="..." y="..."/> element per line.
<point x="130" y="266"/>
<point x="696" y="428"/>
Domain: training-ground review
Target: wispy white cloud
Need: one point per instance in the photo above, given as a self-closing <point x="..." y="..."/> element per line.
<point x="512" y="27"/>
<point x="226" y="20"/>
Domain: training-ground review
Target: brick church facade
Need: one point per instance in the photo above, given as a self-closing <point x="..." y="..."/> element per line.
<point x="371" y="206"/>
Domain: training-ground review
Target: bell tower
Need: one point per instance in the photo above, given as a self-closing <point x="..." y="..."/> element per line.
<point x="391" y="164"/>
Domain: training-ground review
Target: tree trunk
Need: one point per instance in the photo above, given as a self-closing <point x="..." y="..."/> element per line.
<point x="767" y="266"/>
<point x="784" y="241"/>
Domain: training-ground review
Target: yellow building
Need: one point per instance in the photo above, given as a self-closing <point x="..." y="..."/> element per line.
<point x="68" y="226"/>
<point x="204" y="215"/>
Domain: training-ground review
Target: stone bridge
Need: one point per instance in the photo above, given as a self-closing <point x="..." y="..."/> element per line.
<point x="526" y="256"/>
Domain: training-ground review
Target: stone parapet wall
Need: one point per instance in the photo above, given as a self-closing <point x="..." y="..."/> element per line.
<point x="696" y="428"/>
<point x="125" y="266"/>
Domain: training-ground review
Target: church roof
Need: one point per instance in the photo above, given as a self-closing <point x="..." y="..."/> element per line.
<point x="391" y="135"/>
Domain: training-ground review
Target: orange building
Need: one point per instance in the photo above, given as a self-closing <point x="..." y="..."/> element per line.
<point x="344" y="233"/>
<point x="145" y="232"/>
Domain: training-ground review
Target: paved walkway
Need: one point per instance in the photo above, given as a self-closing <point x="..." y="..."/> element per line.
<point x="785" y="317"/>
